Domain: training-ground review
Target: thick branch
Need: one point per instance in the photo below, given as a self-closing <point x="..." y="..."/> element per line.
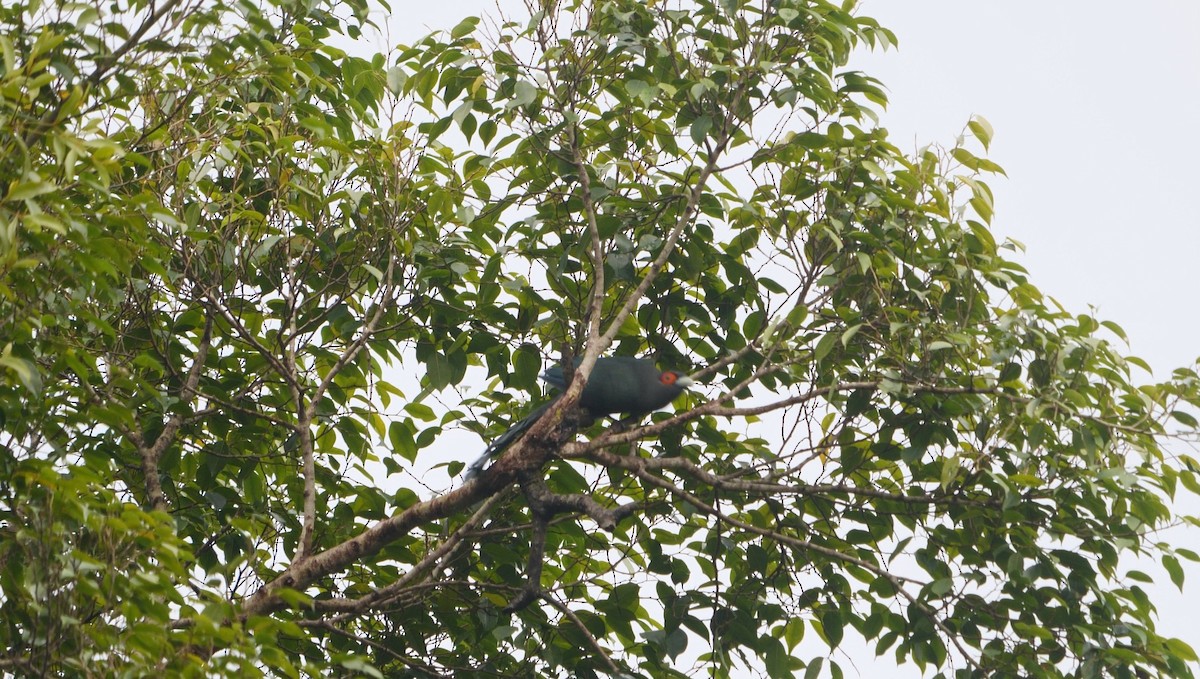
<point x="302" y="573"/>
<point x="544" y="505"/>
<point x="542" y="500"/>
<point x="383" y="595"/>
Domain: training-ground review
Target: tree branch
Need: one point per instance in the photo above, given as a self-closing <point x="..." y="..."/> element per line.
<point x="301" y="573"/>
<point x="382" y="648"/>
<point x="306" y="413"/>
<point x="767" y="487"/>
<point x="715" y="408"/>
<point x="767" y="533"/>
<point x="383" y="595"/>
<point x="152" y="453"/>
<point x="613" y="669"/>
<point x="105" y="63"/>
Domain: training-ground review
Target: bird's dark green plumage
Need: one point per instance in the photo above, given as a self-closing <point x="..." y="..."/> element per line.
<point x="617" y="385"/>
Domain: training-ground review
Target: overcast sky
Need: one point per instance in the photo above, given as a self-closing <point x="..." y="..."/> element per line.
<point x="1096" y="111"/>
<point x="1096" y="108"/>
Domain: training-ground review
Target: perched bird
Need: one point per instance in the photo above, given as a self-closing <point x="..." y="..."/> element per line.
<point x="618" y="384"/>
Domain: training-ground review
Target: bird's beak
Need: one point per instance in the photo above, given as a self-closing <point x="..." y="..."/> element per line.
<point x="685" y="382"/>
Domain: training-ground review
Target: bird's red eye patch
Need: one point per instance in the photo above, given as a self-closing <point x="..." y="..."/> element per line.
<point x="668" y="378"/>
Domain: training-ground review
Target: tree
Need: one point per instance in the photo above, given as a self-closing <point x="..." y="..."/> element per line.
<point x="227" y="242"/>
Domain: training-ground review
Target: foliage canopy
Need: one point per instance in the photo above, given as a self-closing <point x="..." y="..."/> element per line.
<point x="250" y="281"/>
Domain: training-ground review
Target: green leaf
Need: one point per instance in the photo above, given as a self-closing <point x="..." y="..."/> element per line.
<point x="824" y="346"/>
<point x="25" y="370"/>
<point x="1185" y="418"/>
<point x="294" y="599"/>
<point x="30" y="188"/>
<point x="464" y="27"/>
<point x="396" y="79"/>
<point x="950" y="467"/>
<point x="361" y="667"/>
<point x="527" y="362"/>
<point x="831" y="628"/>
<point x="982" y="130"/>
<point x="876" y="171"/>
<point x="1182" y="650"/>
<point x="700" y="128"/>
<point x="400" y="435"/>
<point x="524" y="93"/>
<point x="1174" y="569"/>
<point x="420" y="411"/>
<point x="849" y="334"/>
<point x="793" y="632"/>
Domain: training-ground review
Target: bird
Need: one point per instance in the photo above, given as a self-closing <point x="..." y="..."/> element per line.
<point x="618" y="384"/>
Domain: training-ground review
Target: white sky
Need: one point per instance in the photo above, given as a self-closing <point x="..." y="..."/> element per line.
<point x="1096" y="111"/>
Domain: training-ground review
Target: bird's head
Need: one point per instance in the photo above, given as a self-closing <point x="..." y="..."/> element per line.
<point x="671" y="378"/>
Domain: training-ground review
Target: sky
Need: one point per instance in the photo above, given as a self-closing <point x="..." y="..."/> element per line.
<point x="1096" y="112"/>
<point x="1095" y="107"/>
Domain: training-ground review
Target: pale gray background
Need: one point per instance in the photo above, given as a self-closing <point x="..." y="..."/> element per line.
<point x="1096" y="111"/>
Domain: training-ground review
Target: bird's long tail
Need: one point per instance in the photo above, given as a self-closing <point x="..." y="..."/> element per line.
<point x="506" y="439"/>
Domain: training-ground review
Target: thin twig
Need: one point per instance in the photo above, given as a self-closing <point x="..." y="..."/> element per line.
<point x="592" y="641"/>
